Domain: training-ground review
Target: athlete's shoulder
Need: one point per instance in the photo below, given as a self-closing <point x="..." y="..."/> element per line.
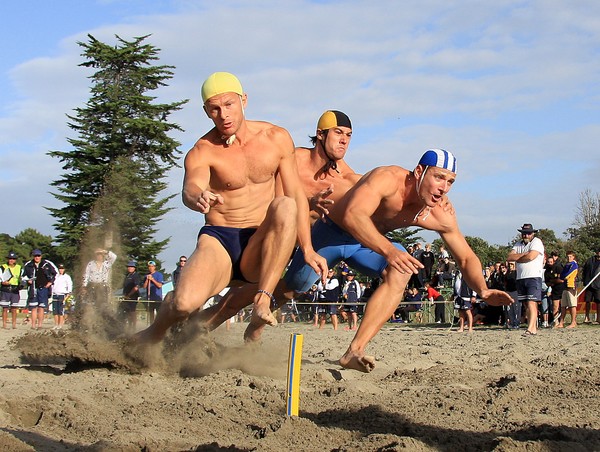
<point x="443" y="217"/>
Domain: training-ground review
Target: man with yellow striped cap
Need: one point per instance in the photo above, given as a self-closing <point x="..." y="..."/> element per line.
<point x="249" y="233"/>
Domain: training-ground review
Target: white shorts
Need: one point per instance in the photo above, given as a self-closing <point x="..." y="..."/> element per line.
<point x="568" y="300"/>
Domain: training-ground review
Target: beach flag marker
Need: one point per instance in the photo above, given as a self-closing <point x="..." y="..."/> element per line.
<point x="293" y="379"/>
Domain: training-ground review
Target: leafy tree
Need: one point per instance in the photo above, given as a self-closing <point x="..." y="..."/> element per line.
<point x="405" y="236"/>
<point x="115" y="172"/>
<point x="24" y="243"/>
<point x="487" y="254"/>
<point x="584" y="236"/>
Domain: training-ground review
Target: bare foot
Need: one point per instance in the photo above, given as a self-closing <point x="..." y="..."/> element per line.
<point x="253" y="332"/>
<point x="559" y="326"/>
<point x="572" y="325"/>
<point x="459" y="331"/>
<point x="146" y="337"/>
<point x="262" y="314"/>
<point x="360" y="362"/>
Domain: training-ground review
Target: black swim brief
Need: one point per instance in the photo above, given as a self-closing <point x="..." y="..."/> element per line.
<point x="234" y="240"/>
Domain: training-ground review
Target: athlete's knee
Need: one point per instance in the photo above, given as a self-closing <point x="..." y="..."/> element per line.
<point x="181" y="306"/>
<point x="395" y="278"/>
<point x="284" y="209"/>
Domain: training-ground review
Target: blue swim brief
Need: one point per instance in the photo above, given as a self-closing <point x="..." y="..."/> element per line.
<point x="335" y="245"/>
<point x="234" y="240"/>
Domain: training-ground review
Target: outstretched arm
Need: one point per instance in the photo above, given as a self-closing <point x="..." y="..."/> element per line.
<point x="195" y="193"/>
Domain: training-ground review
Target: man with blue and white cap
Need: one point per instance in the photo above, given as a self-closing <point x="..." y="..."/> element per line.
<point x="391" y="197"/>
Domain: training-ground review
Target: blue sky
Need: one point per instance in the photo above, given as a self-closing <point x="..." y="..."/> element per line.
<point x="511" y="87"/>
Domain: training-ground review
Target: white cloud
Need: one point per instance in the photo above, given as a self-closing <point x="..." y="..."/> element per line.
<point x="510" y="86"/>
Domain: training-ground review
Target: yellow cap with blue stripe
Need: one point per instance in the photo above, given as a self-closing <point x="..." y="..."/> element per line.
<point x="219" y="83"/>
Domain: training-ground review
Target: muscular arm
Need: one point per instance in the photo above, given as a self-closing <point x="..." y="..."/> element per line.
<point x="195" y="194"/>
<point x="362" y="202"/>
<point x="291" y="186"/>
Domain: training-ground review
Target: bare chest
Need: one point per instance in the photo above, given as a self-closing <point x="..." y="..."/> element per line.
<point x="394" y="214"/>
<point x="314" y="184"/>
<point x="238" y="168"/>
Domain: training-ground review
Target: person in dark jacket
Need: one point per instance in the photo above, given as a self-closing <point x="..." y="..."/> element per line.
<point x="39" y="275"/>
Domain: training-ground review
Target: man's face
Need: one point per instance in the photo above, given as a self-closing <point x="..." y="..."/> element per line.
<point x="550" y="260"/>
<point x="130" y="269"/>
<point x="527" y="237"/>
<point x="336" y="141"/>
<point x="226" y="111"/>
<point x="182" y="261"/>
<point x="436" y="183"/>
<point x="570" y="257"/>
<point x="37" y="258"/>
<point x="151" y="268"/>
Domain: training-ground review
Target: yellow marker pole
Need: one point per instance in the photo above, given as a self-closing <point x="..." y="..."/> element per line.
<point x="293" y="380"/>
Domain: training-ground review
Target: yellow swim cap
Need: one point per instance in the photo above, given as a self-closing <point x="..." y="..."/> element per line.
<point x="219" y="83"/>
<point x="333" y="118"/>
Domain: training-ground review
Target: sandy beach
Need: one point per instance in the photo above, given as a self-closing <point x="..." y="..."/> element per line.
<point x="432" y="389"/>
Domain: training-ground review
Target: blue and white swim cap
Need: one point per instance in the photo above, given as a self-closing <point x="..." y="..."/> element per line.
<point x="439" y="158"/>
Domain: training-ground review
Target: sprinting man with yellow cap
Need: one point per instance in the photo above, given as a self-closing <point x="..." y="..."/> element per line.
<point x="325" y="177"/>
<point x="249" y="233"/>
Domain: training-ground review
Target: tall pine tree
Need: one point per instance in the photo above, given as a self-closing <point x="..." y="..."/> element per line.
<point x="115" y="172"/>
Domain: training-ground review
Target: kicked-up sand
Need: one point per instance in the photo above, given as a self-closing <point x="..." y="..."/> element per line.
<point x="432" y="389"/>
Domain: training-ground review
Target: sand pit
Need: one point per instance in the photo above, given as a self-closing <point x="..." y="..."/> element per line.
<point x="432" y="389"/>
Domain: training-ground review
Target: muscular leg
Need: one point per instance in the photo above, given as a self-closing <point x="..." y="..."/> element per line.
<point x="206" y="273"/>
<point x="379" y="309"/>
<point x="267" y="254"/>
<point x="236" y="299"/>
